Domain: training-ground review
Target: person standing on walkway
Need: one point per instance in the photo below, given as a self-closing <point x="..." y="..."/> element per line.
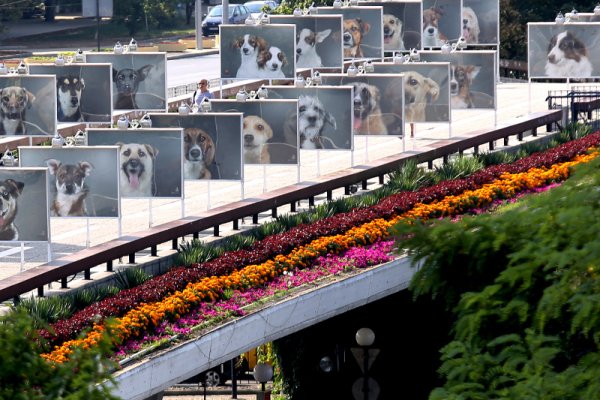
<point x="202" y="92"/>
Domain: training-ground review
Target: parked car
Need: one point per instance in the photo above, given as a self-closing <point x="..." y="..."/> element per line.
<point x="220" y="374"/>
<point x="256" y="7"/>
<point x="237" y="15"/>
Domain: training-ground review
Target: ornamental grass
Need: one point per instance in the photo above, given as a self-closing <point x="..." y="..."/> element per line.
<point x="342" y="232"/>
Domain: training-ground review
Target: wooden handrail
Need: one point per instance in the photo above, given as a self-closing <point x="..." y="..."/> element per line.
<point x="35" y="278"/>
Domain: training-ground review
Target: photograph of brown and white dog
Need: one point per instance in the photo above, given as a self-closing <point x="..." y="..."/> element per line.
<point x="71" y="190"/>
<point x="470" y="25"/>
<point x="256" y="133"/>
<point x="199" y="153"/>
<point x="392" y="33"/>
<point x="136" y="176"/>
<point x="249" y="47"/>
<point x="368" y="119"/>
<point x="14" y="103"/>
<point x="271" y="62"/>
<point x="10" y="190"/>
<point x="567" y="56"/>
<point x="69" y="89"/>
<point x="419" y="91"/>
<point x="461" y="78"/>
<point x="306" y="47"/>
<point x="354" y="31"/>
<point x="432" y="37"/>
<point x="127" y="81"/>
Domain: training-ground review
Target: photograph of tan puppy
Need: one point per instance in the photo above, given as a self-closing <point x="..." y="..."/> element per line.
<point x="256" y="132"/>
<point x="199" y="153"/>
<point x="354" y="31"/>
<point x="419" y="91"/>
<point x="14" y="103"/>
<point x="392" y="33"/>
<point x="367" y="110"/>
<point x="136" y="177"/>
<point x="10" y="190"/>
<point x="71" y="190"/>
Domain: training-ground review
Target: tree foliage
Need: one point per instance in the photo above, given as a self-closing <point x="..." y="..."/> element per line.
<point x="25" y="375"/>
<point x="524" y="288"/>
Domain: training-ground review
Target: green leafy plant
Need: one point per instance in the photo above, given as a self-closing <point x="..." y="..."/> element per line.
<point x="130" y="278"/>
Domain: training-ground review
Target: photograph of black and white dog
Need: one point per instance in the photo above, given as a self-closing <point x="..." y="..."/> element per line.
<point x="363" y="30"/>
<point x="83" y="91"/>
<point x="139" y="79"/>
<point x="212" y="145"/>
<point x="318" y="39"/>
<point x="323" y="118"/>
<point x="258" y="51"/>
<point x="24" y="204"/>
<point x="71" y="190"/>
<point x="426" y="96"/>
<point x="150" y="160"/>
<point x="564" y="51"/>
<point x="14" y="103"/>
<point x="10" y="191"/>
<point x="84" y="180"/>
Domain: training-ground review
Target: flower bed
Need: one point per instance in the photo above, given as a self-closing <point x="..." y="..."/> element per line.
<point x="176" y="293"/>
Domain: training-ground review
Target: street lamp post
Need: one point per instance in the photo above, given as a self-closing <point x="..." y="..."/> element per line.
<point x="365" y="355"/>
<point x="263" y="373"/>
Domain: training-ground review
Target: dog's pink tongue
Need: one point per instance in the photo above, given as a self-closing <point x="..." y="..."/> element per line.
<point x="386" y="39"/>
<point x="134" y="182"/>
<point x="357" y="123"/>
<point x="1" y="220"/>
<point x="465" y="33"/>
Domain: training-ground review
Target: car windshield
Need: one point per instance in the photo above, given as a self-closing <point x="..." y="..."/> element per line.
<point x="255" y="7"/>
<point x="217" y="11"/>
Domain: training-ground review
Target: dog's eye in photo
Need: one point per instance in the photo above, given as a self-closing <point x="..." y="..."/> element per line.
<point x="141" y="153"/>
<point x="127" y="153"/>
<point x="260" y="127"/>
<point x="413" y="82"/>
<point x="302" y="109"/>
<point x="5" y="195"/>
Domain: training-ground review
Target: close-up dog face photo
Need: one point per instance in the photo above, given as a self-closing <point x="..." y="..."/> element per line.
<point x="150" y="160"/>
<point x="426" y="90"/>
<point x="441" y="22"/>
<point x="472" y="77"/>
<point x="24" y="105"/>
<point x="323" y="116"/>
<point x="401" y="24"/>
<point x="318" y="40"/>
<point x="24" y="205"/>
<point x="258" y="52"/>
<point x="564" y="51"/>
<point x="373" y="113"/>
<point x="212" y="143"/>
<point x="264" y="128"/>
<point x="84" y="180"/>
<point x="83" y="91"/>
<point x="139" y="80"/>
<point x="362" y="30"/>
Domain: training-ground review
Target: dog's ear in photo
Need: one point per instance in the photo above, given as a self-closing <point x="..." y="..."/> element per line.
<point x="322" y="35"/>
<point x="153" y="151"/>
<point x="53" y="165"/>
<point x="365" y="27"/>
<point x="16" y="186"/>
<point x="144" y="71"/>
<point x="433" y="89"/>
<point x="86" y="167"/>
<point x="283" y="58"/>
<point x="237" y="42"/>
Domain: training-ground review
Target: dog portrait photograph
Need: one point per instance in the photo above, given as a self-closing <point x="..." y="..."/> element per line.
<point x="212" y="143"/>
<point x="84" y="180"/>
<point x="24" y="205"/>
<point x="27" y="105"/>
<point x="480" y="22"/>
<point x="441" y="22"/>
<point x="258" y="51"/>
<point x="401" y="24"/>
<point x="263" y="130"/>
<point x="426" y="90"/>
<point x="472" y="77"/>
<point x="563" y="51"/>
<point x="362" y="35"/>
<point x="150" y="160"/>
<point x="83" y="91"/>
<point x="373" y="112"/>
<point x="323" y="116"/>
<point x="318" y="40"/>
<point x="138" y="79"/>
